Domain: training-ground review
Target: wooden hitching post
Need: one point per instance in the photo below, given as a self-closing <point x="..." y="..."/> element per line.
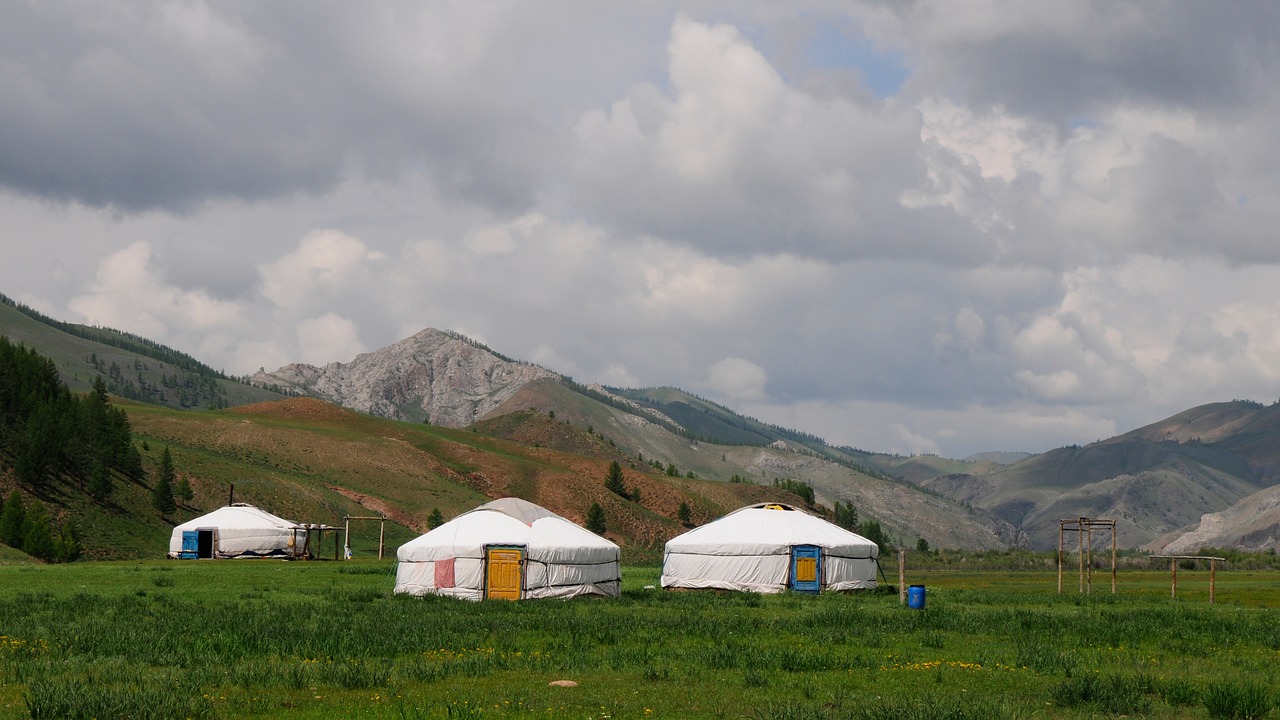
<point x="1173" y="582"/>
<point x="1113" y="557"/>
<point x="1213" y="571"/>
<point x="902" y="577"/>
<point x="1080" y="534"/>
<point x="382" y="531"/>
<point x="346" y="536"/>
<point x="1088" y="543"/>
<point x="1061" y="523"/>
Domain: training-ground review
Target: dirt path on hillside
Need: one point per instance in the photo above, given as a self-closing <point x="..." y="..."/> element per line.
<point x="380" y="507"/>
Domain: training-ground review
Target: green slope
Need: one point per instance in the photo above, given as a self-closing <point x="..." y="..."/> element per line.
<point x="133" y="367"/>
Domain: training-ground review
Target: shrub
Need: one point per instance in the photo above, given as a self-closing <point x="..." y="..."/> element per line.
<point x="1237" y="701"/>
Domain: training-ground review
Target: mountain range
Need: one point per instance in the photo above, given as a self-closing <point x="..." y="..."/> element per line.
<point x="1204" y="477"/>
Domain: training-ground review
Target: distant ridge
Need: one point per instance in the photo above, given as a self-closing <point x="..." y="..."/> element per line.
<point x="119" y="339"/>
<point x="133" y="367"/>
<point x="998" y="457"/>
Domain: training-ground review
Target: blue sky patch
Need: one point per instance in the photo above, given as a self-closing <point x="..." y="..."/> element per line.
<point x="884" y="71"/>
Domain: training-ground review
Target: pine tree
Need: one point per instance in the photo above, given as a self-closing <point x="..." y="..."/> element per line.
<point x="162" y="493"/>
<point x="100" y="485"/>
<point x="684" y="514"/>
<point x="847" y="515"/>
<point x="37" y="533"/>
<point x="182" y="491"/>
<point x="435" y="519"/>
<point x="595" y="519"/>
<point x="872" y="531"/>
<point x="11" y="520"/>
<point x="613" y="481"/>
<point x="68" y="543"/>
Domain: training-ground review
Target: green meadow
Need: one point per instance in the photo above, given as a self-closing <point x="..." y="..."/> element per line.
<point x="249" y="639"/>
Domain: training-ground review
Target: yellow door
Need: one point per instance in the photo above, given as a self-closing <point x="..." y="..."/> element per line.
<point x="505" y="575"/>
<point x="806" y="570"/>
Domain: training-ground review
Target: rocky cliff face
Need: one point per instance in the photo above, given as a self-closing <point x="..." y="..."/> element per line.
<point x="1251" y="524"/>
<point x="433" y="376"/>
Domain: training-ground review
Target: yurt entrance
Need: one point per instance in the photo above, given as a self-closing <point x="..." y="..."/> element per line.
<point x="806" y="568"/>
<point x="205" y="542"/>
<point x="196" y="544"/>
<point x="504" y="571"/>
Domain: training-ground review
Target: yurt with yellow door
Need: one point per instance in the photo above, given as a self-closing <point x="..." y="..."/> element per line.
<point x="509" y="549"/>
<point x="769" y="548"/>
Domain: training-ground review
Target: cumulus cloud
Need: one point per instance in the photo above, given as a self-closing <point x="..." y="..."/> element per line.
<point x="737" y="379"/>
<point x="325" y="262"/>
<point x="130" y="293"/>
<point x="735" y="162"/>
<point x="328" y="338"/>
<point x="1053" y="222"/>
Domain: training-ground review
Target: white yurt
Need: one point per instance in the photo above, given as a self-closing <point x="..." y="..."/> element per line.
<point x="769" y="548"/>
<point x="510" y="549"/>
<point x="235" y="531"/>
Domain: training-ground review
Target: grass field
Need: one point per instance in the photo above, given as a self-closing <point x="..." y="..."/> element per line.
<point x="232" y="639"/>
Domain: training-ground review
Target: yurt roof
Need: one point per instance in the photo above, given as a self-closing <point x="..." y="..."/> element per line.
<point x="508" y="521"/>
<point x="770" y="529"/>
<point x="239" y="515"/>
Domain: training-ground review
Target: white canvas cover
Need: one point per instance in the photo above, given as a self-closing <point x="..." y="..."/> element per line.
<point x="562" y="559"/>
<point x="240" y="530"/>
<point x="750" y="550"/>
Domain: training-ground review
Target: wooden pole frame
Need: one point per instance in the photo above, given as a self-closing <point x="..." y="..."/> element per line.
<point x="382" y="530"/>
<point x="1083" y="528"/>
<point x="1173" y="573"/>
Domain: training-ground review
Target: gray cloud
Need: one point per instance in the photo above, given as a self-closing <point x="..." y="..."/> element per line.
<point x="1067" y="61"/>
<point x="1059" y="228"/>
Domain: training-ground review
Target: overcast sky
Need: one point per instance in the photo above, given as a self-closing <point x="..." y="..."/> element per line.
<point x="909" y="227"/>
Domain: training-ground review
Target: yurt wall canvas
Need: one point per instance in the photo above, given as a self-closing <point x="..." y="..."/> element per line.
<point x="512" y="549"/>
<point x="235" y="531"/>
<point x="769" y="548"/>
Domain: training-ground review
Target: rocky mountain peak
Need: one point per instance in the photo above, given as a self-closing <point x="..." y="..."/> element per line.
<point x="433" y="376"/>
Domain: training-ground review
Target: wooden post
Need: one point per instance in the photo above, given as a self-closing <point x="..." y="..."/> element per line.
<point x="346" y="538"/>
<point x="1213" y="571"/>
<point x="382" y="531"/>
<point x="1173" y="574"/>
<point x="1113" y="557"/>
<point x="1088" y="543"/>
<point x="902" y="577"/>
<point x="1061" y="523"/>
<point x="1080" y="534"/>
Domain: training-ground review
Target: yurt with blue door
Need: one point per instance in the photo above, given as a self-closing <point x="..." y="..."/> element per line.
<point x="769" y="548"/>
<point x="509" y="549"/>
<point x="236" y="531"/>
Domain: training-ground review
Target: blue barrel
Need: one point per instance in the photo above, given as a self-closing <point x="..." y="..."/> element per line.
<point x="915" y="597"/>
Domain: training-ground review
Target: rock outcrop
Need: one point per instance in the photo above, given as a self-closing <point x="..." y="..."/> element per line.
<point x="433" y="376"/>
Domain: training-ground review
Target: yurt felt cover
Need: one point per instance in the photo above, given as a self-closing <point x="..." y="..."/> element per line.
<point x="750" y="549"/>
<point x="242" y="531"/>
<point x="562" y="559"/>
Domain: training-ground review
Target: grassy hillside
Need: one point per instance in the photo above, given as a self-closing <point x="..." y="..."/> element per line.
<point x="313" y="462"/>
<point x="583" y="425"/>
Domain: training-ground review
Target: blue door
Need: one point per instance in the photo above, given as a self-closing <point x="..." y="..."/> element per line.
<point x="806" y="568"/>
<point x="190" y="544"/>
